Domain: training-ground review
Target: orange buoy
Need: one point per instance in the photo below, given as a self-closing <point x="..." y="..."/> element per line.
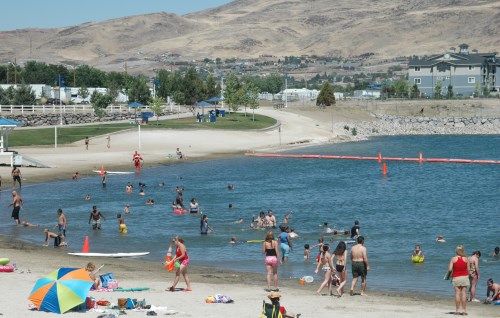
<point x="169" y="265"/>
<point x="384" y="169"/>
<point x="86" y="248"/>
<point x="379" y="158"/>
<point x="102" y="170"/>
<point x="420" y="157"/>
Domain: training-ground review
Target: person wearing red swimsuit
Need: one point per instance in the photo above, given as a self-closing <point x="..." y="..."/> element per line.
<point x="181" y="256"/>
<point x="459" y="266"/>
<point x="136" y="158"/>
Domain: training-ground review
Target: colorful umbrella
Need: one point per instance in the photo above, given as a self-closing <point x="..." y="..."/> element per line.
<point x="61" y="290"/>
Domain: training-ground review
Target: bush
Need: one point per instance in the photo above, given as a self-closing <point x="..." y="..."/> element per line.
<point x="354" y="132"/>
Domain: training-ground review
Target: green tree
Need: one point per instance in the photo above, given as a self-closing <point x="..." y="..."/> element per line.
<point x="437" y="90"/>
<point x="138" y="91"/>
<point x="415" y="92"/>
<point x="100" y="102"/>
<point x="4" y="100"/>
<point x="24" y="95"/>
<point x="192" y="88"/>
<point x="449" y="94"/>
<point x="156" y="105"/>
<point x="476" y="90"/>
<point x="211" y="87"/>
<point x="400" y="87"/>
<point x="233" y="93"/>
<point x="251" y="98"/>
<point x="325" y="96"/>
<point x="486" y="91"/>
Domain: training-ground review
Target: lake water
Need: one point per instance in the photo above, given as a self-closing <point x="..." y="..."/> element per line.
<point x="412" y="204"/>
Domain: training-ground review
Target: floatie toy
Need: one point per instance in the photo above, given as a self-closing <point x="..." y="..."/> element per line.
<point x="496" y="303"/>
<point x="6" y="268"/>
<point x="308" y="279"/>
<point x="417" y="259"/>
<point x="179" y="211"/>
<point x="255" y="241"/>
<point x="4" y="261"/>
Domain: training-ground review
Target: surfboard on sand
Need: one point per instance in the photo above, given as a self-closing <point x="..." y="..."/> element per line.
<point x="113" y="255"/>
<point x="113" y="172"/>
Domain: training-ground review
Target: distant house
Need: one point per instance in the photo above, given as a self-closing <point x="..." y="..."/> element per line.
<point x="466" y="72"/>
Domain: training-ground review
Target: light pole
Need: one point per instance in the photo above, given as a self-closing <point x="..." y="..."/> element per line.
<point x="60" y="100"/>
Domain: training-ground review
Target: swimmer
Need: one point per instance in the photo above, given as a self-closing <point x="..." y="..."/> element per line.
<point x="496" y="252"/>
<point x="28" y="224"/>
<point x="142" y="185"/>
<point x="233" y="240"/>
<point x="87" y="197"/>
<point x="230" y="206"/>
<point x="129" y="188"/>
<point x="122" y="228"/>
<point x="230" y="187"/>
<point x="251" y="226"/>
<point x="75" y="176"/>
<point x="238" y="221"/>
<point x="150" y="202"/>
<point x="293" y="234"/>
<point x="141" y="192"/>
<point x="440" y="239"/>
<point x="161" y="184"/>
<point x="306" y="251"/>
<point x="328" y="231"/>
<point x="125" y="209"/>
<point x="285" y="219"/>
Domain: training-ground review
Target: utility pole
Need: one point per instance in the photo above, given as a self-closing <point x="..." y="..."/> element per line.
<point x="60" y="100"/>
<point x="15" y="72"/>
<point x="222" y="89"/>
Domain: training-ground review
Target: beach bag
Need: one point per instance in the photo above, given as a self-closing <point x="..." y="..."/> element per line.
<point x="112" y="284"/>
<point x="270" y="310"/>
<point x="105" y="278"/>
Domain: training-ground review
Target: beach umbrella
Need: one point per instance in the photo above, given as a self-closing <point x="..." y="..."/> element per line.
<point x="61" y="290"/>
<point x="203" y="104"/>
<point x="135" y="105"/>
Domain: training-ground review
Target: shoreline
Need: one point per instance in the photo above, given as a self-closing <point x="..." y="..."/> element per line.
<point x="246" y="288"/>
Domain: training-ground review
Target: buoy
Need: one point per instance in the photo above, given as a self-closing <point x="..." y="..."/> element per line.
<point x="379" y="157"/>
<point x="86" y="248"/>
<point x="169" y="265"/>
<point x="420" y="158"/>
<point x="102" y="170"/>
<point x="384" y="169"/>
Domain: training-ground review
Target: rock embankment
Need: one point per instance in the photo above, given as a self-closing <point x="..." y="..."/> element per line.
<point x="386" y="125"/>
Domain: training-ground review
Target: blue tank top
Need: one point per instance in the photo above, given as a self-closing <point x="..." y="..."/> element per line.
<point x="284" y="237"/>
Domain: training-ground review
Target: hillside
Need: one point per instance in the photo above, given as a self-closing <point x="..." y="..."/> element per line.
<point x="249" y="28"/>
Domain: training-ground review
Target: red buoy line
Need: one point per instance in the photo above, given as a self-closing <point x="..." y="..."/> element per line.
<point x="379" y="158"/>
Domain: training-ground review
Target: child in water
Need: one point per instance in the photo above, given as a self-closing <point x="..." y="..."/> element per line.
<point x="306" y="252"/>
<point x="121" y="224"/>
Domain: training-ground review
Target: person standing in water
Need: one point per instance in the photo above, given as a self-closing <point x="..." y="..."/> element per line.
<point x="359" y="264"/>
<point x="17" y="203"/>
<point x="95" y="217"/>
<point x="61" y="223"/>
<point x="122" y="228"/>
<point x="103" y="181"/>
<point x="204" y="227"/>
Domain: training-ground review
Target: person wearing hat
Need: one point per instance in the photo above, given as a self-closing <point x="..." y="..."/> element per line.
<point x="275" y="302"/>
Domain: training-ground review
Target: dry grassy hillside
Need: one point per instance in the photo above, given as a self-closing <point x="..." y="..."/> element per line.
<point x="248" y="28"/>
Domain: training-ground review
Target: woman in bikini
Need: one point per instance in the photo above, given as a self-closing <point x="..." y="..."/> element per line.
<point x="272" y="253"/>
<point x="325" y="261"/>
<point x="340" y="255"/>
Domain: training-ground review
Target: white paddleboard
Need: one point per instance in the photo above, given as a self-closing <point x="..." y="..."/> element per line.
<point x="114" y="172"/>
<point x="114" y="255"/>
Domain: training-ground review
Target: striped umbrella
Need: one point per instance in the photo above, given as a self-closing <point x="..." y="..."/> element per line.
<point x="61" y="290"/>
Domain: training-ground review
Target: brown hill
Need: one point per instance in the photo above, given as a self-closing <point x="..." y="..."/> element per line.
<point x="249" y="28"/>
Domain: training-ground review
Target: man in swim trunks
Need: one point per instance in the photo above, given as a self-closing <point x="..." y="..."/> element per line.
<point x="95" y="217"/>
<point x="494" y="289"/>
<point x="61" y="223"/>
<point x="17" y="203"/>
<point x="355" y="230"/>
<point x="359" y="264"/>
<point x="16" y="176"/>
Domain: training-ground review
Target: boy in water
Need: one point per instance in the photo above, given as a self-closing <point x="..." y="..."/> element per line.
<point x="121" y="224"/>
<point x="306" y="252"/>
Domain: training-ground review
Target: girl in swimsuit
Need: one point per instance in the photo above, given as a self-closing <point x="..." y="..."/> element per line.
<point x="340" y="254"/>
<point x="271" y="251"/>
<point x="326" y="264"/>
<point x="473" y="274"/>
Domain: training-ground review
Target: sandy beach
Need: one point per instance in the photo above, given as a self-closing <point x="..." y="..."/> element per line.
<point x="298" y="128"/>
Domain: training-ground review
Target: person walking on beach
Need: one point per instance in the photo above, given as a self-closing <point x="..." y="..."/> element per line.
<point x="17" y="203"/>
<point x="181" y="256"/>
<point x="109" y="141"/>
<point x="285" y="243"/>
<point x="16" y="176"/>
<point x="136" y="158"/>
<point x="87" y="143"/>
<point x="340" y="257"/>
<point x="272" y="255"/>
<point x="459" y="267"/>
<point x="473" y="275"/>
<point x="359" y="265"/>
<point x="325" y="262"/>
<point x="61" y="222"/>
<point x="95" y="217"/>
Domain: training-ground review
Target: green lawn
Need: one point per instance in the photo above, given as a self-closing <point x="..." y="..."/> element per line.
<point x="66" y="134"/>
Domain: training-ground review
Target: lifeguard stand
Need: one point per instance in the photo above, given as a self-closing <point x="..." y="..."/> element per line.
<point x="6" y="126"/>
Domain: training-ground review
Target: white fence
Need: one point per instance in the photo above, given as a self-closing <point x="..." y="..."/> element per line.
<point x="82" y="108"/>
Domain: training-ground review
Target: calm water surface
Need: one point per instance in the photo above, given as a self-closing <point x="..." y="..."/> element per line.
<point x="412" y="204"/>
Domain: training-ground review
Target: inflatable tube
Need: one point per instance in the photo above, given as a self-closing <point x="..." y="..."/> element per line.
<point x="6" y="268"/>
<point x="255" y="241"/>
<point x="4" y="261"/>
<point x="417" y="259"/>
<point x="308" y="279"/>
<point x="179" y="211"/>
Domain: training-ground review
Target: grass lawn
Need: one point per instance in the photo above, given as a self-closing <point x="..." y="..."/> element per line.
<point x="67" y="134"/>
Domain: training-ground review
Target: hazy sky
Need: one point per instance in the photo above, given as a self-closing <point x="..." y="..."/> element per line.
<point x="58" y="13"/>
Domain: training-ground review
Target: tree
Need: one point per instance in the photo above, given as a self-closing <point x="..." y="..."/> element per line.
<point x="449" y="95"/>
<point x="437" y="90"/>
<point x="24" y="95"/>
<point x="251" y="98"/>
<point x="325" y="96"/>
<point x="415" y="92"/>
<point x="476" y="90"/>
<point x="100" y="102"/>
<point x="233" y="93"/>
<point x="192" y="87"/>
<point x="138" y="91"/>
<point x="211" y="87"/>
<point x="156" y="105"/>
<point x="400" y="87"/>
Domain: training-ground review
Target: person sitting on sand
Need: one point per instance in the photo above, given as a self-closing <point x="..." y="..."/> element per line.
<point x="275" y="303"/>
<point x="440" y="239"/>
<point x="90" y="268"/>
<point x="28" y="224"/>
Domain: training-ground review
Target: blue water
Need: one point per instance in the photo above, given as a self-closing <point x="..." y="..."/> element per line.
<point x="412" y="204"/>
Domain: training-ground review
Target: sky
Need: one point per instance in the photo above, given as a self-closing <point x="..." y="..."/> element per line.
<point x="21" y="14"/>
